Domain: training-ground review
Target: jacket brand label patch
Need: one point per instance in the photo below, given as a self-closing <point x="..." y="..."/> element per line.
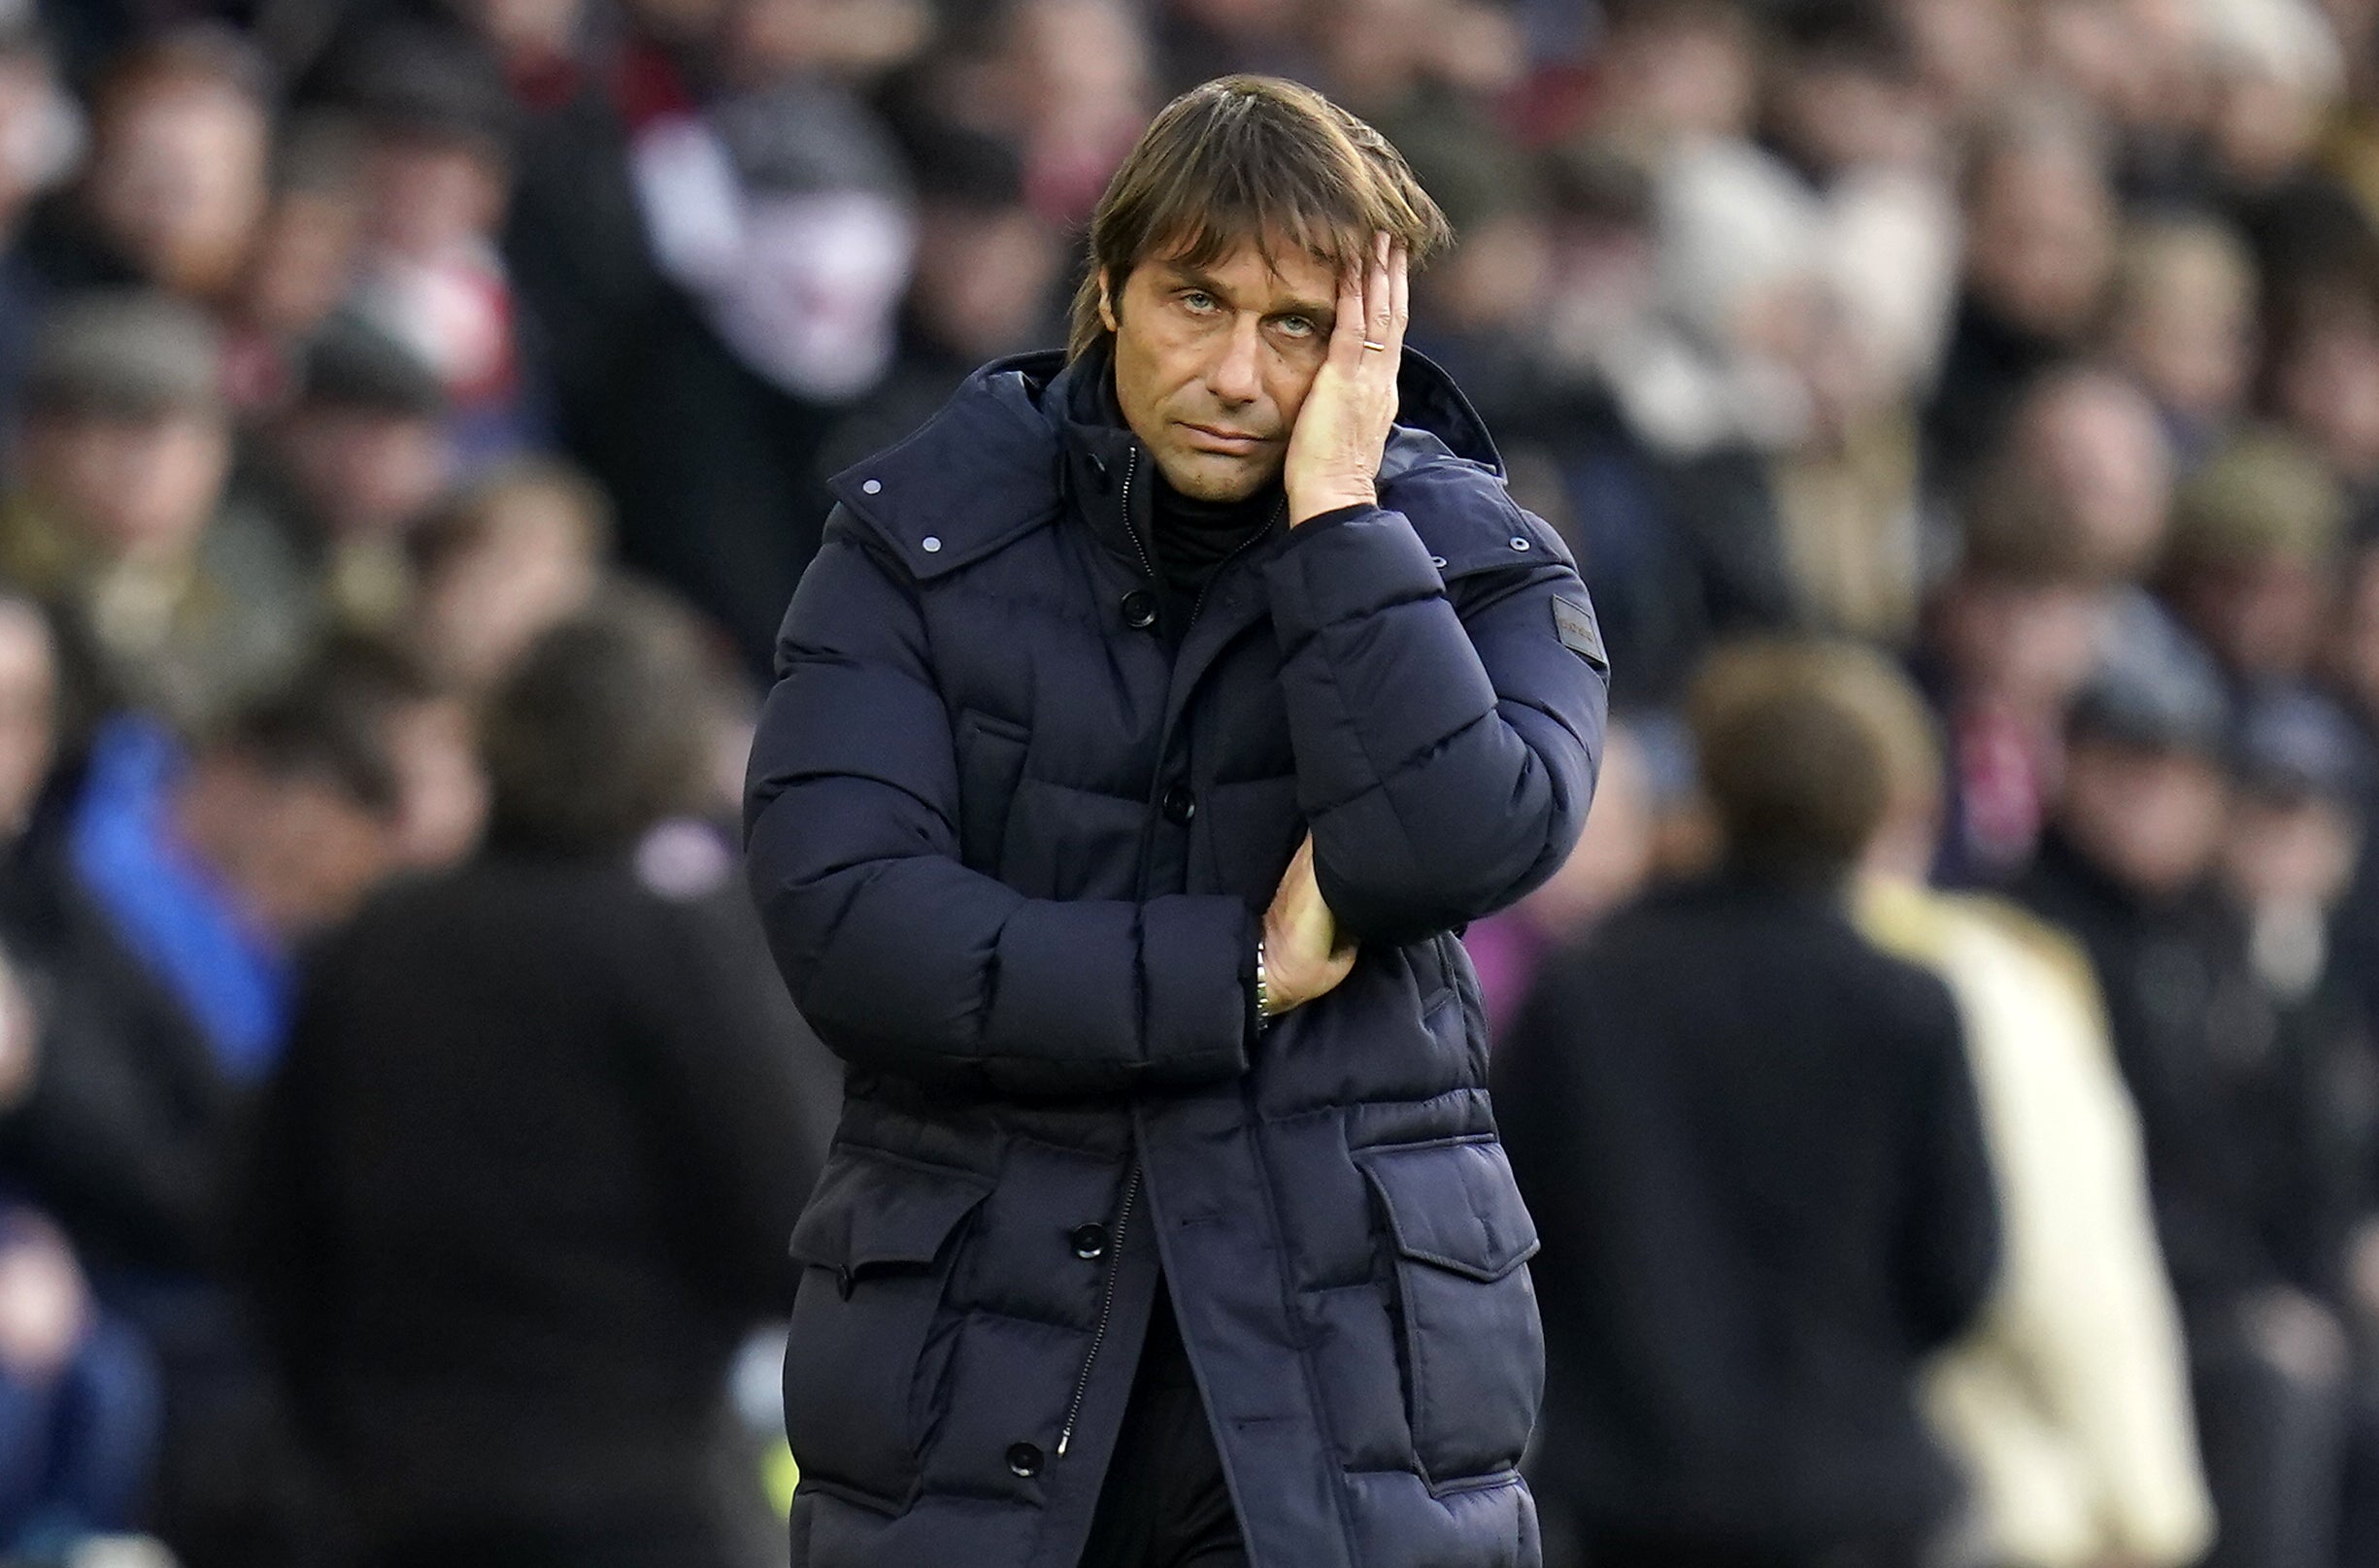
<point x="1575" y="624"/>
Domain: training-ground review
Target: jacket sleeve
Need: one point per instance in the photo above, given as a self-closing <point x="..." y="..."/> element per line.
<point x="1447" y="738"/>
<point x="901" y="957"/>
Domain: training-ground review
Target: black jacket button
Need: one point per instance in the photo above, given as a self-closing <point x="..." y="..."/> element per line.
<point x="1179" y="805"/>
<point x="1024" y="1459"/>
<point x="1089" y="1241"/>
<point x="1140" y="608"/>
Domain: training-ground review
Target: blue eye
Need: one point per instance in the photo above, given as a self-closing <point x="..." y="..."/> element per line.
<point x="1297" y="326"/>
<point x="1198" y="300"/>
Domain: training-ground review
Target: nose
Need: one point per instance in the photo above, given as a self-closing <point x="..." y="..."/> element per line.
<point x="1236" y="376"/>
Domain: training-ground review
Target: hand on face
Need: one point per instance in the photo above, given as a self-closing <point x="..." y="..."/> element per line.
<point x="1217" y="366"/>
<point x="1342" y="429"/>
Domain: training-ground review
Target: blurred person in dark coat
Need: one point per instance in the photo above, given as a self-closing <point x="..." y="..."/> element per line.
<point x="1757" y="1158"/>
<point x="2126" y="866"/>
<point x="2040" y="249"/>
<point x="524" y="1183"/>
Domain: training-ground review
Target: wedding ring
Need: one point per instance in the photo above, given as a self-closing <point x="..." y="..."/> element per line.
<point x="1375" y="348"/>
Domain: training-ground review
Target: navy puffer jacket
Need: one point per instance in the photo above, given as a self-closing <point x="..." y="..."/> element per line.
<point x="1013" y="854"/>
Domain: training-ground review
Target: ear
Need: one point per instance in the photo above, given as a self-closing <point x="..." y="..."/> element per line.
<point x="1106" y="303"/>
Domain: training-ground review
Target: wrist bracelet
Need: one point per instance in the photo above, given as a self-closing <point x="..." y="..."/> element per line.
<point x="1264" y="986"/>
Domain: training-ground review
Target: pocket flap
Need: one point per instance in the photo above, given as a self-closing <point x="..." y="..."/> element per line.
<point x="872" y="1209"/>
<point x="1453" y="1205"/>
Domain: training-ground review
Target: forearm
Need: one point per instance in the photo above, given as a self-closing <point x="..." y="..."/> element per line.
<point x="911" y="964"/>
<point x="1445" y="757"/>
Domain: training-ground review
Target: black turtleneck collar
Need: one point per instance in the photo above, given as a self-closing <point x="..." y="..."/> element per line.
<point x="1194" y="538"/>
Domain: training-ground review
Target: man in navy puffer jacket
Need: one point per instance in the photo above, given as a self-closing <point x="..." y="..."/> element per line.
<point x="1147" y="725"/>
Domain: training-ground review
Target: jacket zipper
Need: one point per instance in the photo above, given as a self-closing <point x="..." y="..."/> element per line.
<point x="1106" y="1307"/>
<point x="1131" y="1183"/>
<point x="1131" y="466"/>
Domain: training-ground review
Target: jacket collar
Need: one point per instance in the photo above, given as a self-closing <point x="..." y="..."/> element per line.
<point x="1025" y="434"/>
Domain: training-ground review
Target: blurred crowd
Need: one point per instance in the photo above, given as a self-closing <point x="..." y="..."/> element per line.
<point x="419" y="412"/>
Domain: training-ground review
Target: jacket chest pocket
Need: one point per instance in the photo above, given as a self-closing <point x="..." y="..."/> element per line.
<point x="876" y="1243"/>
<point x="1474" y="1352"/>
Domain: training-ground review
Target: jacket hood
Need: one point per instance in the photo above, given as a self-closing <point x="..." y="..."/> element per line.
<point x="992" y="464"/>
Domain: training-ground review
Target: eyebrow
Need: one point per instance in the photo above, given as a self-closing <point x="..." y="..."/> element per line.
<point x="1321" y="315"/>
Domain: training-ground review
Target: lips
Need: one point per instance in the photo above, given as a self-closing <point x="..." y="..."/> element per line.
<point x="1236" y="442"/>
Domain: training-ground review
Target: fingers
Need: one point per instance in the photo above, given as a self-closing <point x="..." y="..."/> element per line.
<point x="1399" y="297"/>
<point x="1346" y="333"/>
<point x="1379" y="304"/>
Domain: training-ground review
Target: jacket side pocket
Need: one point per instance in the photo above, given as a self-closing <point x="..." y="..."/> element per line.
<point x="876" y="1245"/>
<point x="1474" y="1349"/>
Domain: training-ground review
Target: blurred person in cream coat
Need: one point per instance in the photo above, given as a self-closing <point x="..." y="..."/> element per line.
<point x="2067" y="1403"/>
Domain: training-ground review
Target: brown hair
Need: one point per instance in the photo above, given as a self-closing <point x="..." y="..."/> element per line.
<point x="609" y="725"/>
<point x="1796" y="764"/>
<point x="1251" y="158"/>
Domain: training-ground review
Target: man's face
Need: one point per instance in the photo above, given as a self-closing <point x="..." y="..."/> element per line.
<point x="136" y="487"/>
<point x="1211" y="363"/>
<point x="2147" y="816"/>
<point x="180" y="182"/>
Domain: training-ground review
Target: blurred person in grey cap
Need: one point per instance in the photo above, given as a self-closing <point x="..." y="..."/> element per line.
<point x="2300" y="777"/>
<point x="359" y="457"/>
<point x="2128" y="867"/>
<point x="437" y="126"/>
<point x="2253" y="559"/>
<point x="117" y="514"/>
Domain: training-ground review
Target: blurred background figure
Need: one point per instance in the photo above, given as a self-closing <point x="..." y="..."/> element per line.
<point x="120" y="513"/>
<point x="2067" y="1404"/>
<point x="1759" y="1169"/>
<point x="2128" y="866"/>
<point x="523" y="1184"/>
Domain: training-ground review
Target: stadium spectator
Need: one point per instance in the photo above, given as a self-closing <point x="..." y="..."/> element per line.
<point x="1752" y="1147"/>
<point x="360" y="454"/>
<point x="118" y="515"/>
<point x="2067" y="1404"/>
<point x="176" y="181"/>
<point x="2127" y="867"/>
<point x="547" y="1120"/>
<point x="521" y="549"/>
<point x="2254" y="559"/>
